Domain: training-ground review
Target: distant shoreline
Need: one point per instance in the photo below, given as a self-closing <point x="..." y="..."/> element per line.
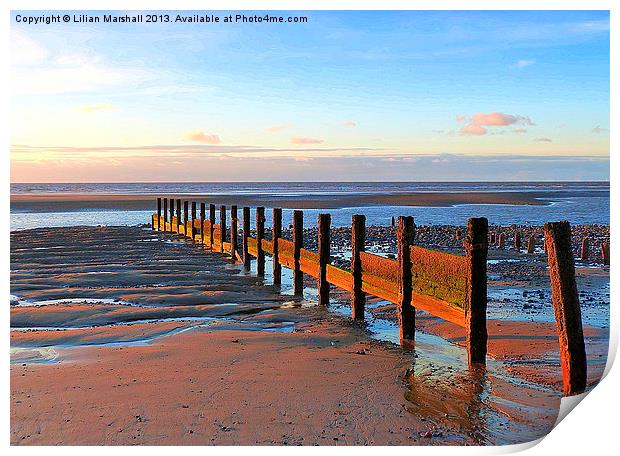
<point x="128" y="201"/>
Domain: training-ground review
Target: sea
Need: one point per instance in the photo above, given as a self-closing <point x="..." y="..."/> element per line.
<point x="577" y="202"/>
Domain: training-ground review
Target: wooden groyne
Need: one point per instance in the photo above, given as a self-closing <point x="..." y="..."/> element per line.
<point x="449" y="286"/>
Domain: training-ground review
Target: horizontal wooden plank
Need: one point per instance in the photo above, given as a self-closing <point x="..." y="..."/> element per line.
<point x="439" y="274"/>
<point x="340" y="277"/>
<point x="197" y="223"/>
<point x="227" y="247"/>
<point x="267" y="246"/>
<point x="439" y="308"/>
<point x="252" y="250"/>
<point x="380" y="266"/>
<point x="309" y="262"/>
<point x="286" y="251"/>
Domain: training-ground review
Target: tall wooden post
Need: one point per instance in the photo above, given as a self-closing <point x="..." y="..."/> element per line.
<point x="222" y="227"/>
<point x="165" y="213"/>
<point x="566" y="306"/>
<point x="260" y="235"/>
<point x="406" y="313"/>
<point x="193" y="218"/>
<point x="585" y="248"/>
<point x="185" y="217"/>
<point x="246" y="234"/>
<point x="323" y="243"/>
<point x="202" y="222"/>
<point x="158" y="215"/>
<point x="276" y="233"/>
<point x="531" y="243"/>
<point x="605" y="253"/>
<point x="172" y="203"/>
<point x="298" y="242"/>
<point x="179" y="214"/>
<point x="476" y="250"/>
<point x="233" y="232"/>
<point x="518" y="241"/>
<point x="211" y="225"/>
<point x="502" y="240"/>
<point x="358" y="241"/>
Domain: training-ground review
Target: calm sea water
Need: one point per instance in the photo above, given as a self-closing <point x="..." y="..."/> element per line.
<point x="578" y="202"/>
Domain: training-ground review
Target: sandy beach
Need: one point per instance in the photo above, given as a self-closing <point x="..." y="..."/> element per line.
<point x="127" y="336"/>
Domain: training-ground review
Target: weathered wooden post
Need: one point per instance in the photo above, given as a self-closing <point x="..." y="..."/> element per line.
<point x="405" y="234"/>
<point x="531" y="243"/>
<point x="193" y="218"/>
<point x="260" y="235"/>
<point x="179" y="219"/>
<point x="476" y="251"/>
<point x="202" y="222"/>
<point x="211" y="225"/>
<point x="393" y="222"/>
<point x="276" y="233"/>
<point x="222" y="227"/>
<point x="165" y="213"/>
<point x="585" y="248"/>
<point x="185" y="217"/>
<point x="566" y="306"/>
<point x="358" y="240"/>
<point x="298" y="242"/>
<point x="605" y="253"/>
<point x="518" y="241"/>
<point x="323" y="243"/>
<point x="244" y="239"/>
<point x="158" y="215"/>
<point x="492" y="238"/>
<point x="172" y="203"/>
<point x="233" y="232"/>
<point x="502" y="240"/>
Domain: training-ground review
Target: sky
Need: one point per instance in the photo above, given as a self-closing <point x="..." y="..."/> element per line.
<point x="403" y="96"/>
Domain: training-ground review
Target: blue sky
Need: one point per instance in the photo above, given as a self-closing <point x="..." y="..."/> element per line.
<point x="526" y="91"/>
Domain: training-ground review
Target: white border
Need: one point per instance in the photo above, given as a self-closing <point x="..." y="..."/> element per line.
<point x="592" y="428"/>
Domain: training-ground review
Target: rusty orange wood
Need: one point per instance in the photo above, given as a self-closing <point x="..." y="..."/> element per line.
<point x="309" y="263"/>
<point x="251" y="245"/>
<point x="339" y="277"/>
<point x="267" y="246"/>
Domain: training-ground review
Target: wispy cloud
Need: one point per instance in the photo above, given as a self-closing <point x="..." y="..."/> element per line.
<point x="349" y="124"/>
<point x="277" y="128"/>
<point x="524" y="63"/>
<point x="479" y="122"/>
<point x="598" y="129"/>
<point x="547" y="140"/>
<point x="304" y="140"/>
<point x="202" y="137"/>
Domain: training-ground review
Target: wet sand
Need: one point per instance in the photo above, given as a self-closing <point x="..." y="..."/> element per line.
<point x="45" y="202"/>
<point x="127" y="336"/>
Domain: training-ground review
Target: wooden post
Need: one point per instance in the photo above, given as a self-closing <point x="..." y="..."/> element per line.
<point x="358" y="240"/>
<point x="276" y="233"/>
<point x="298" y="242"/>
<point x="202" y="222"/>
<point x="518" y="241"/>
<point x="222" y="227"/>
<point x="405" y="234"/>
<point x="585" y="248"/>
<point x="165" y="213"/>
<point x="245" y="235"/>
<point x="185" y="216"/>
<point x="476" y="250"/>
<point x="179" y="220"/>
<point x="531" y="242"/>
<point x="211" y="224"/>
<point x="158" y="214"/>
<point x="492" y="238"/>
<point x="193" y="218"/>
<point x="323" y="243"/>
<point x="233" y="232"/>
<point x="260" y="235"/>
<point x="502" y="240"/>
<point x="171" y="214"/>
<point x="566" y="308"/>
<point x="605" y="253"/>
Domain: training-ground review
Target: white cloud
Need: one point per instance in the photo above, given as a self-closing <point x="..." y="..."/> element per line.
<point x="25" y="51"/>
<point x="525" y="63"/>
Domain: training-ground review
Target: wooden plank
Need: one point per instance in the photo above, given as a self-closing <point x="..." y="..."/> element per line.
<point x="251" y="246"/>
<point x="309" y="263"/>
<point x="339" y="277"/>
<point x="227" y="247"/>
<point x="439" y="308"/>
<point x="286" y="253"/>
<point x="380" y="266"/>
<point x="267" y="246"/>
<point x="439" y="274"/>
